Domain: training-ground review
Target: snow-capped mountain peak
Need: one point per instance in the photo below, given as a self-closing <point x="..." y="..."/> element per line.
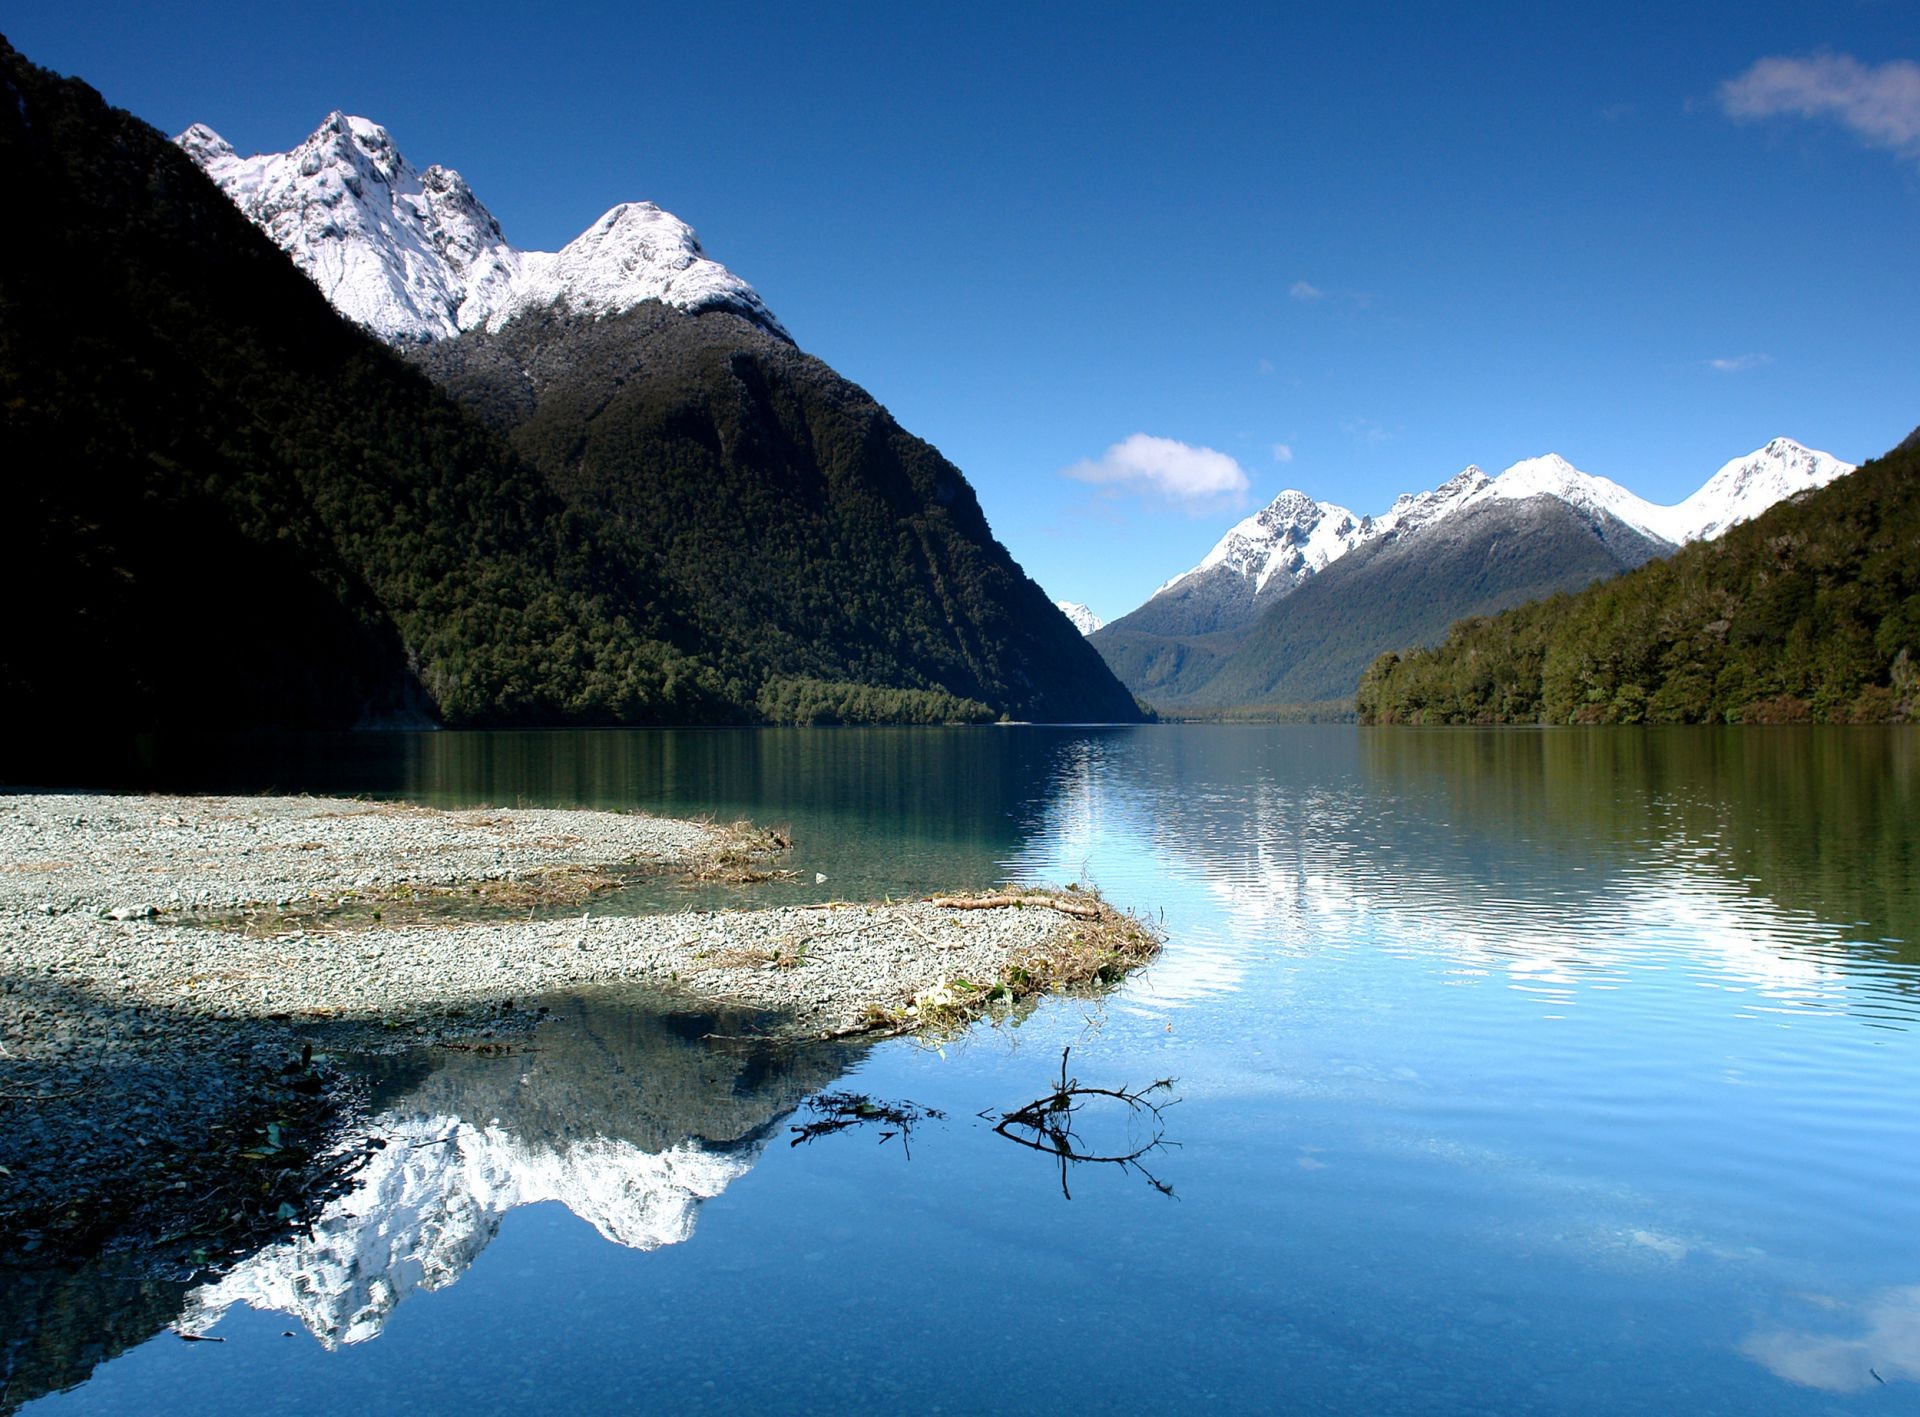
<point x="1412" y="510"/>
<point x="1289" y="539"/>
<point x="415" y="256"/>
<point x="1081" y="617"/>
<point x="1746" y="487"/>
<point x="1553" y="476"/>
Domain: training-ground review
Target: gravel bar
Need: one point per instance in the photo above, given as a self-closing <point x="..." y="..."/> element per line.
<point x="142" y="1032"/>
<point x="109" y="898"/>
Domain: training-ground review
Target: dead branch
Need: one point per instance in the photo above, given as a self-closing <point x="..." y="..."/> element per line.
<point x="1046" y="1125"/>
<point x="837" y="1111"/>
<point x="1078" y="909"/>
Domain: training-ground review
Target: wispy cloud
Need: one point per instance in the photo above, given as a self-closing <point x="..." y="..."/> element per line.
<point x="1283" y="452"/>
<point x="1165" y="467"/>
<point x="1738" y="364"/>
<point x="1879" y="103"/>
<point x="1365" y="430"/>
<point x="1306" y="290"/>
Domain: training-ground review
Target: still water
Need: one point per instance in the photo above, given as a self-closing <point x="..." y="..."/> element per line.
<point x="1563" y="1071"/>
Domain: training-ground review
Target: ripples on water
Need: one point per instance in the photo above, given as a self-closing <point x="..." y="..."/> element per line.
<point x="1555" y="1071"/>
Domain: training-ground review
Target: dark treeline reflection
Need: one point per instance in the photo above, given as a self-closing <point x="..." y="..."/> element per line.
<point x="1824" y="821"/>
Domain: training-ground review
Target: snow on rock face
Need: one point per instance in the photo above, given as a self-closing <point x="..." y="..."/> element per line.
<point x="1747" y="486"/>
<point x="1283" y="543"/>
<point x="432" y="1200"/>
<point x="1082" y="618"/>
<point x="1739" y="491"/>
<point x="415" y="256"/>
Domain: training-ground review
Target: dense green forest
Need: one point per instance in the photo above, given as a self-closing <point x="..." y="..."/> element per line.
<point x="230" y="507"/>
<point x="1808" y="613"/>
<point x="811" y="701"/>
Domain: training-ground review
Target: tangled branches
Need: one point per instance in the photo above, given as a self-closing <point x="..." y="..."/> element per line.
<point x="1047" y="1124"/>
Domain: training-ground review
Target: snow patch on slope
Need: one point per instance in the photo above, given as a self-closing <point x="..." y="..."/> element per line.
<point x="415" y="256"/>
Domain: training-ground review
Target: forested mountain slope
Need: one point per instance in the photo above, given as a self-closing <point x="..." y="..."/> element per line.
<point x="1810" y="611"/>
<point x="803" y="530"/>
<point x="232" y="507"/>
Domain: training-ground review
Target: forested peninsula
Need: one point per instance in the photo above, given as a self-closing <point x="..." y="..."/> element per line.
<point x="1808" y="613"/>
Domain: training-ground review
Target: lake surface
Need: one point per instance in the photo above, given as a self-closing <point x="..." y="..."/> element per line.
<point x="1517" y="1071"/>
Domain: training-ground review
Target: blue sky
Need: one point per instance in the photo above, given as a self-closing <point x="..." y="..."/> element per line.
<point x="1348" y="250"/>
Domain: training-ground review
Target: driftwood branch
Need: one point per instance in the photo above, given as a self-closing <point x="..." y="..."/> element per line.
<point x="1078" y="909"/>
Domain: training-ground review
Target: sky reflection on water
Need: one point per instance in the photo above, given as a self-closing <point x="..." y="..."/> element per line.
<point x="1518" y="1071"/>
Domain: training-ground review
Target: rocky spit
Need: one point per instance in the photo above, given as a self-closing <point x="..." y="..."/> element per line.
<point x="149" y="1027"/>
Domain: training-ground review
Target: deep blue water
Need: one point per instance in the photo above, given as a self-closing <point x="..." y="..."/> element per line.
<point x="1568" y="1072"/>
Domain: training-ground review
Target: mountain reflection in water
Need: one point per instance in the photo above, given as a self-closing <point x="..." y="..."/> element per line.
<point x="628" y="1117"/>
<point x="1562" y="860"/>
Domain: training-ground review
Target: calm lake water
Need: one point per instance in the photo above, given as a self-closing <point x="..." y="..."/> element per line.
<point x="1558" y="1071"/>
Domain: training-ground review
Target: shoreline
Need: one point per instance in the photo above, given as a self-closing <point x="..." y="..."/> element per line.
<point x="151" y="1031"/>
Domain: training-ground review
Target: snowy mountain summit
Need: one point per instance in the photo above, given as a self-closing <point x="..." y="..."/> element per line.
<point x="1290" y="538"/>
<point x="415" y="256"/>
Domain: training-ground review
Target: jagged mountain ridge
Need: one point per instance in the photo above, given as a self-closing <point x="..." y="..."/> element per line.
<point x="1231" y="632"/>
<point x="415" y="255"/>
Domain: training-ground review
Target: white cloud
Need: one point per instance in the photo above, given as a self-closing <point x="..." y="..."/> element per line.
<point x="1283" y="452"/>
<point x="1166" y="467"/>
<point x="1738" y="364"/>
<point x="1266" y="366"/>
<point x="1302" y="290"/>
<point x="1880" y="104"/>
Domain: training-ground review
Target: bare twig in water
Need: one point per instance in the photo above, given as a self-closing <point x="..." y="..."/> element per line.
<point x="839" y="1111"/>
<point x="1046" y="1124"/>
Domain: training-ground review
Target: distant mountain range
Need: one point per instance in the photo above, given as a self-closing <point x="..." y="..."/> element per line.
<point x="1295" y="601"/>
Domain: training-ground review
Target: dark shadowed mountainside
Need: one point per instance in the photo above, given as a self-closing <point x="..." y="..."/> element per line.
<point x="231" y="507"/>
<point x="801" y="529"/>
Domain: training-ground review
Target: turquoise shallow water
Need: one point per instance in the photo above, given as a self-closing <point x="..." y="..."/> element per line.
<point x="1516" y="1071"/>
